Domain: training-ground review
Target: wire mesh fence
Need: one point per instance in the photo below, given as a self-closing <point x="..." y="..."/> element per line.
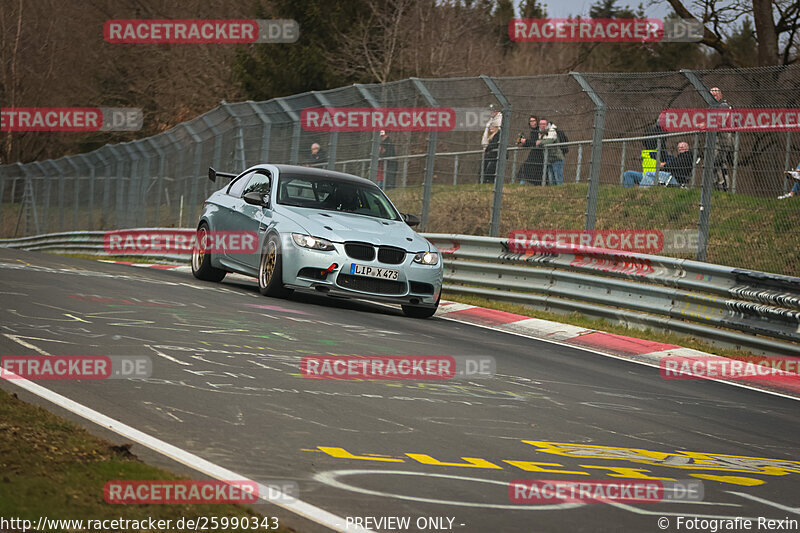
<point x="729" y="197"/>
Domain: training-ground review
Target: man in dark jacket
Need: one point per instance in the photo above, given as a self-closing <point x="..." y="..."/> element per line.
<point x="531" y="169"/>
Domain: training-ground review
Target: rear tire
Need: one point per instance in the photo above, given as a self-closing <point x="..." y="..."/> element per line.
<point x="270" y="270"/>
<point x="413" y="311"/>
<point x="201" y="259"/>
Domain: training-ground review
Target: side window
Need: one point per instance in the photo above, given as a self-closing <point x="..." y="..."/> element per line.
<point x="235" y="188"/>
<point x="260" y="182"/>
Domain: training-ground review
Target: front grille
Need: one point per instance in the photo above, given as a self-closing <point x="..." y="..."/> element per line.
<point x="374" y="285"/>
<point x="391" y="256"/>
<point x="313" y="273"/>
<point x="361" y="251"/>
<point x="421" y="288"/>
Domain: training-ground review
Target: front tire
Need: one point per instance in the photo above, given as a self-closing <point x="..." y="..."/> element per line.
<point x="201" y="259"/>
<point x="412" y="311"/>
<point x="270" y="270"/>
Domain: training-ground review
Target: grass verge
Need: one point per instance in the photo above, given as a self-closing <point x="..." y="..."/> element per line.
<point x="52" y="467"/>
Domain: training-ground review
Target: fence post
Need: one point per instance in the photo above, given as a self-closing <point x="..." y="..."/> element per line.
<point x="708" y="169"/>
<point x="133" y="188"/>
<point x="264" y="133"/>
<point x="430" y="158"/>
<point x="455" y="170"/>
<point x="162" y="169"/>
<point x="333" y="139"/>
<point x="376" y="141"/>
<point x="198" y="163"/>
<point x="735" y="170"/>
<point x="92" y="173"/>
<point x="76" y="195"/>
<point x="61" y="192"/>
<point x="694" y="158"/>
<point x="786" y="158"/>
<point x="622" y="163"/>
<point x="295" y="118"/>
<point x="597" y="149"/>
<point x="500" y="173"/>
<point x="578" y="166"/>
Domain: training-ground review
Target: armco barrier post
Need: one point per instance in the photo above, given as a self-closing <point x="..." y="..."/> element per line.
<point x="597" y="149"/>
<point x="500" y="172"/>
<point x="376" y="135"/>
<point x="430" y="158"/>
<point x="333" y="139"/>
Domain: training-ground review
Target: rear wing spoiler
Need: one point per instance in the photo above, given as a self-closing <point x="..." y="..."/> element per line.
<point x="212" y="174"/>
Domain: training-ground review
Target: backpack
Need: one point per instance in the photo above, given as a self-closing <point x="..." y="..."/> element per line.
<point x="562" y="138"/>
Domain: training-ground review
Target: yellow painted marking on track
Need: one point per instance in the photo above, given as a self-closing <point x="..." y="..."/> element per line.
<point x="736" y="480"/>
<point x="629" y="473"/>
<point x="471" y="462"/>
<point x="529" y="466"/>
<point x="344" y="454"/>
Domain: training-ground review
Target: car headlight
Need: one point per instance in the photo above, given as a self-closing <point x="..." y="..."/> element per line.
<point x="315" y="243"/>
<point x="427" y="258"/>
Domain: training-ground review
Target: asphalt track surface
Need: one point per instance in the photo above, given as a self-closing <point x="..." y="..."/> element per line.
<point x="226" y="387"/>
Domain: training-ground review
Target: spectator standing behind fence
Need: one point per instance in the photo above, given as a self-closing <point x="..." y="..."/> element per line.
<point x="495" y="120"/>
<point x="723" y="150"/>
<point x="387" y="170"/>
<point x="490" y="155"/>
<point x="531" y="169"/>
<point x="317" y="156"/>
<point x="795" y="175"/>
<point x="548" y="134"/>
<point x="675" y="171"/>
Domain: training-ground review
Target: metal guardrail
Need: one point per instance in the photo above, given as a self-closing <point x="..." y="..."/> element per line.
<point x="647" y="290"/>
<point x="714" y="302"/>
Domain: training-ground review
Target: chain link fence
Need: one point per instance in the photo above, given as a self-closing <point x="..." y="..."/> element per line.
<point x="730" y="203"/>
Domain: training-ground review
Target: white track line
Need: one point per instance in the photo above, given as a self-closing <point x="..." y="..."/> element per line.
<point x="306" y="510"/>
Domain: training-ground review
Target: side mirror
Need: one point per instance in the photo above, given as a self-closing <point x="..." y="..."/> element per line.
<point x="256" y="198"/>
<point x="411" y="220"/>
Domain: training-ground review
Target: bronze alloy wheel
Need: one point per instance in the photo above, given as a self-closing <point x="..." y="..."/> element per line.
<point x="199" y="251"/>
<point x="267" y="267"/>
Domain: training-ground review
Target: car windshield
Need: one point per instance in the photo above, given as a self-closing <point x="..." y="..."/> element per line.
<point x="331" y="194"/>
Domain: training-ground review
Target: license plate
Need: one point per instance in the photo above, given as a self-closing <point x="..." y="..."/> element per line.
<point x="373" y="272"/>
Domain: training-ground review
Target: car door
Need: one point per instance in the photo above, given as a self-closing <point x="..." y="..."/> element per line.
<point x="252" y="218"/>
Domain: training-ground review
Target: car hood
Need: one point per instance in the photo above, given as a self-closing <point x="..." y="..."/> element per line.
<point x="342" y="227"/>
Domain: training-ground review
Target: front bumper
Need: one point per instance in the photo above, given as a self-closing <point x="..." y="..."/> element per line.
<point x="412" y="277"/>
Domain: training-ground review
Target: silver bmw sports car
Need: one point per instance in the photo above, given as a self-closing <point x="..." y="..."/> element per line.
<point x="320" y="231"/>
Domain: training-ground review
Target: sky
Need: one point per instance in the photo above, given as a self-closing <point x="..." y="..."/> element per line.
<point x="565" y="8"/>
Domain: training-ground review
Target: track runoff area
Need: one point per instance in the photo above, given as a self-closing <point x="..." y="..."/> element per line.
<point x="285" y="402"/>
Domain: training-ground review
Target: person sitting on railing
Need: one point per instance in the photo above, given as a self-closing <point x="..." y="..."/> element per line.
<point x="795" y="175"/>
<point x="675" y="171"/>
